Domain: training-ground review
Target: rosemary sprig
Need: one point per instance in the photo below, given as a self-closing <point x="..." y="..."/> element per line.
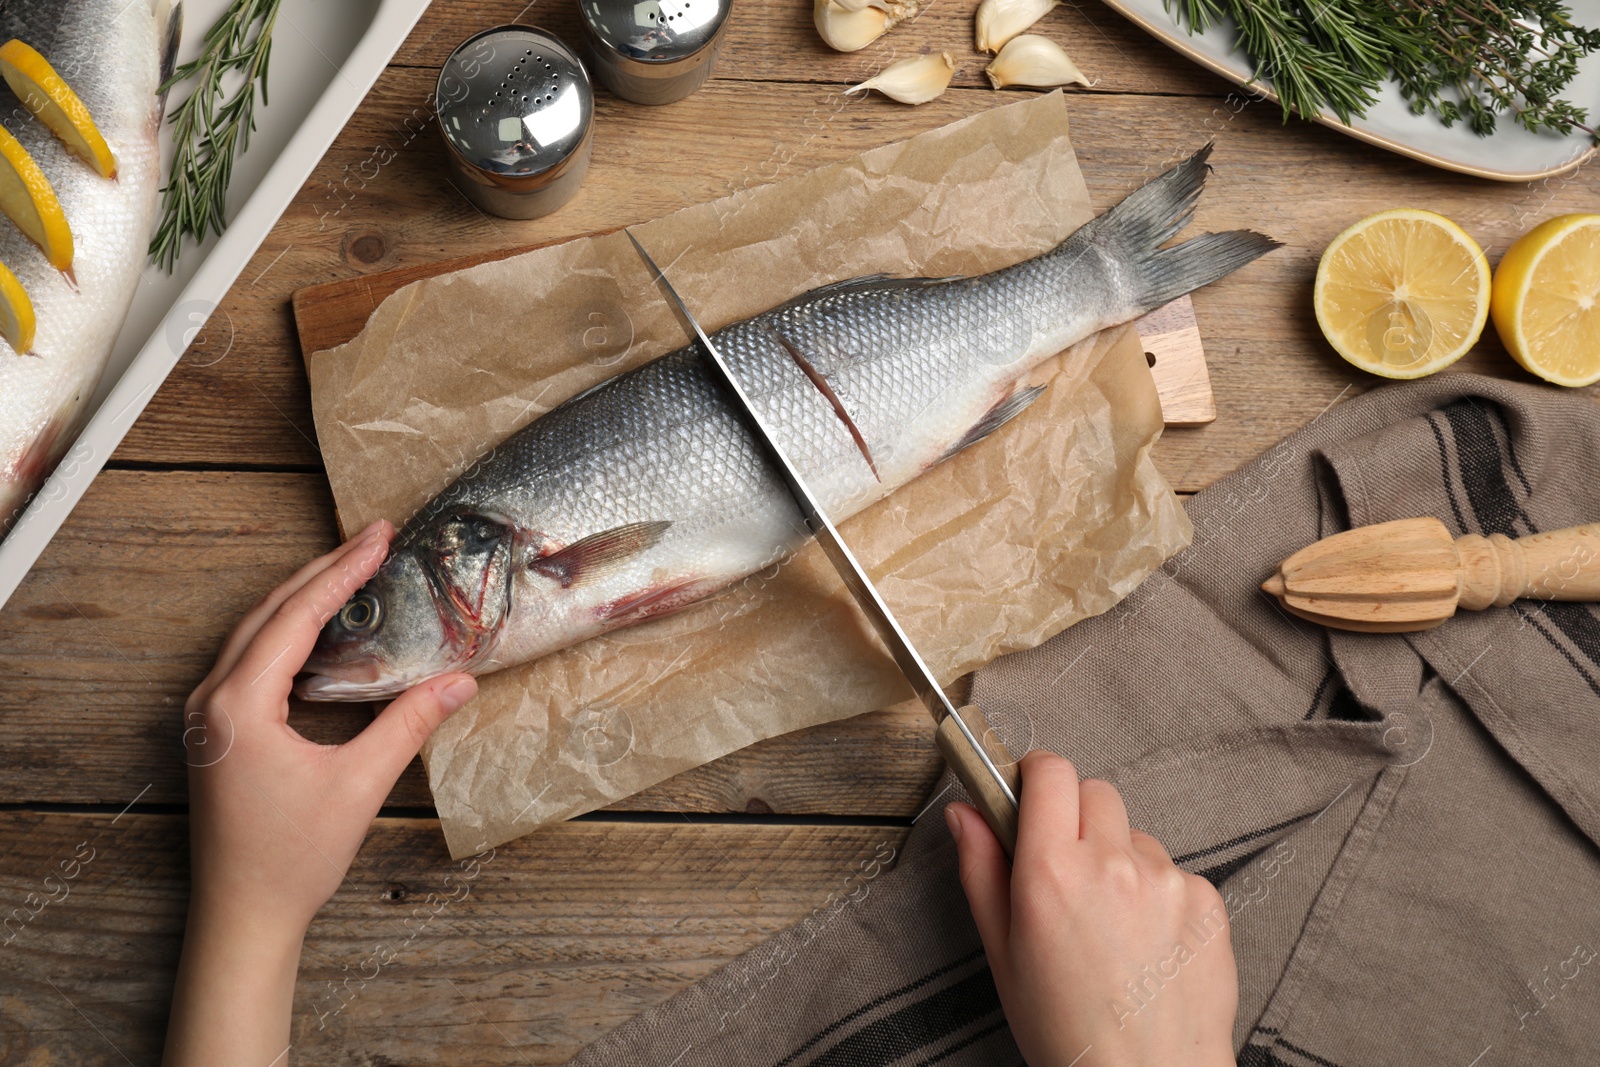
<point x="1471" y="60"/>
<point x="213" y="125"/>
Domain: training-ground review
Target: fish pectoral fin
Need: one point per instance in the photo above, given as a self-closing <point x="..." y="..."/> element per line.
<point x="649" y="602"/>
<point x="997" y="416"/>
<point x="591" y="557"/>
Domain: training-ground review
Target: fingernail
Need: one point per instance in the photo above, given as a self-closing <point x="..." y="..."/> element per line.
<point x="457" y="693"/>
<point x="372" y="535"/>
<point x="953" y="820"/>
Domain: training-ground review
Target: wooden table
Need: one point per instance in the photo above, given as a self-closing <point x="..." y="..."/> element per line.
<point x="218" y="493"/>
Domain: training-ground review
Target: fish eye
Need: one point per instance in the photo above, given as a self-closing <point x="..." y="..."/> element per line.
<point x="362" y="614"/>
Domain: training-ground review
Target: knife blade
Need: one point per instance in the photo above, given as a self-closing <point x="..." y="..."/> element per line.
<point x="976" y="751"/>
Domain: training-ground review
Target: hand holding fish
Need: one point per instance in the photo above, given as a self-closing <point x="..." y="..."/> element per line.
<point x="275" y="820"/>
<point x="1104" y="952"/>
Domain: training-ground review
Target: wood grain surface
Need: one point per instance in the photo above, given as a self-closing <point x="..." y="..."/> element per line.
<point x="538" y="949"/>
<point x="218" y="493"/>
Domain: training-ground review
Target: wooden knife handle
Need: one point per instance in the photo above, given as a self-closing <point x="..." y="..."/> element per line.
<point x="1558" y="565"/>
<point x="981" y="787"/>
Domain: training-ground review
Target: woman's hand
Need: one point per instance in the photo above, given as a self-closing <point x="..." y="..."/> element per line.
<point x="274" y="819"/>
<point x="1104" y="952"/>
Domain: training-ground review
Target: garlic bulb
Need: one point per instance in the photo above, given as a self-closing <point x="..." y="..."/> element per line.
<point x="1001" y="20"/>
<point x="912" y="81"/>
<point x="850" y="25"/>
<point x="1033" y="61"/>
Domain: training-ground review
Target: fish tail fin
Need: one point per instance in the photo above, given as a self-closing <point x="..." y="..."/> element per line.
<point x="1133" y="232"/>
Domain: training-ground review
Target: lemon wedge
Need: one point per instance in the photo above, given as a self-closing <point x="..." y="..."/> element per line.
<point x="16" y="313"/>
<point x="28" y="200"/>
<point x="1402" y="293"/>
<point x="43" y="92"/>
<point x="1546" y="302"/>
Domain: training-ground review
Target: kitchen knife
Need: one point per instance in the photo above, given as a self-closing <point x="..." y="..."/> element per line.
<point x="970" y="746"/>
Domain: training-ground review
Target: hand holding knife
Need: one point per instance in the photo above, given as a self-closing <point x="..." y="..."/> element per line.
<point x="971" y="748"/>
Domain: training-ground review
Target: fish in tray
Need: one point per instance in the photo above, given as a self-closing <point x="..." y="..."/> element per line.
<point x="646" y="493"/>
<point x="80" y="282"/>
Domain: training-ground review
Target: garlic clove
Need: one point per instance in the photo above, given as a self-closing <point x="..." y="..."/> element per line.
<point x="845" y="30"/>
<point x="1001" y="20"/>
<point x="912" y="81"/>
<point x="858" y="5"/>
<point x="851" y="25"/>
<point x="1034" y="61"/>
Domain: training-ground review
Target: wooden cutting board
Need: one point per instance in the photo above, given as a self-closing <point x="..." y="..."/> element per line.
<point x="332" y="313"/>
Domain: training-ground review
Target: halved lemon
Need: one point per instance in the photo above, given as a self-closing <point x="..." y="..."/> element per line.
<point x="1402" y="293"/>
<point x="28" y="200"/>
<point x="1546" y="303"/>
<point x="16" y="313"/>
<point x="44" y="92"/>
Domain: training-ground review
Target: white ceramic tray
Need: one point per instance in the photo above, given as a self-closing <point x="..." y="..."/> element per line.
<point x="325" y="56"/>
<point x="1511" y="153"/>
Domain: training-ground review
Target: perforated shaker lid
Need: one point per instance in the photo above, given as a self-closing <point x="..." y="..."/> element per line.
<point x="655" y="31"/>
<point x="514" y="101"/>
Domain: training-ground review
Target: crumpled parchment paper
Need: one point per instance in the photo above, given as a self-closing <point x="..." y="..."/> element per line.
<point x="1054" y="518"/>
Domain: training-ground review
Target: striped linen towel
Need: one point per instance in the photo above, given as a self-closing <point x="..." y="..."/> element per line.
<point x="1405" y="828"/>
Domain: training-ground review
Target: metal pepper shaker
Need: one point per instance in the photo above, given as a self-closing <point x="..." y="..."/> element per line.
<point x="516" y="108"/>
<point x="653" y="51"/>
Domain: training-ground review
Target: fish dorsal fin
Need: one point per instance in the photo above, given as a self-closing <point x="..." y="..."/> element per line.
<point x="576" y="398"/>
<point x="997" y="416"/>
<point x="865" y="282"/>
<point x="169" y="24"/>
<point x="590" y="558"/>
<point x="820" y="380"/>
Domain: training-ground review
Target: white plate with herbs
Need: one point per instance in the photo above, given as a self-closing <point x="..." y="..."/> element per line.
<point x="324" y="58"/>
<point x="1509" y="153"/>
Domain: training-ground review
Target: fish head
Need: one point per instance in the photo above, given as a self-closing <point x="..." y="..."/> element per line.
<point x="436" y="605"/>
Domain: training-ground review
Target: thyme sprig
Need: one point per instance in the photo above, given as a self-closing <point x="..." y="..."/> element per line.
<point x="213" y="124"/>
<point x="1470" y="60"/>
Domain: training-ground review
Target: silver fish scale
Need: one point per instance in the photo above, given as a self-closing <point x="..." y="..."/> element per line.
<point x="657" y="442"/>
<point x="110" y="52"/>
<point x="915" y="366"/>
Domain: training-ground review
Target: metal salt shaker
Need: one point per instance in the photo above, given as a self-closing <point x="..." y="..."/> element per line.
<point x="516" y="109"/>
<point x="653" y="51"/>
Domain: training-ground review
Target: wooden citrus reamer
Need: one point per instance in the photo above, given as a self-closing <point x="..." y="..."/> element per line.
<point x="976" y="755"/>
<point x="1410" y="574"/>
